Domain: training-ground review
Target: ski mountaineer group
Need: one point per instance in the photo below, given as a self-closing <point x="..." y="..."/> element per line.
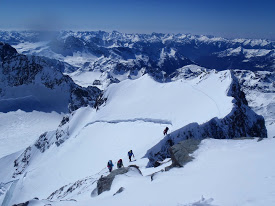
<point x="110" y="164"/>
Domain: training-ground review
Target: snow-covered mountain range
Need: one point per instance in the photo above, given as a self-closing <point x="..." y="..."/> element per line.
<point x="87" y="97"/>
<point x="111" y="54"/>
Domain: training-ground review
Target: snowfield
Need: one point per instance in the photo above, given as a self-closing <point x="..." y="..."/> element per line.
<point x="224" y="172"/>
<point x="145" y="98"/>
<point x="20" y="129"/>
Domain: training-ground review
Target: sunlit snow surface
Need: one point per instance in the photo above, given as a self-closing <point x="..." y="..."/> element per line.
<point x="134" y="116"/>
<point x="20" y="129"/>
<point x="231" y="172"/>
<point x="224" y="172"/>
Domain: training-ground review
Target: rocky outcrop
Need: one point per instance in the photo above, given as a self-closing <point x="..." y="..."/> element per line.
<point x="34" y="201"/>
<point x="22" y="204"/>
<point x="180" y="153"/>
<point x="96" y="183"/>
<point x="44" y="142"/>
<point x="242" y="121"/>
<point x="100" y="101"/>
<point x="22" y="161"/>
<point x="120" y="190"/>
<point x="105" y="183"/>
<point x="82" y="97"/>
<point x="78" y="187"/>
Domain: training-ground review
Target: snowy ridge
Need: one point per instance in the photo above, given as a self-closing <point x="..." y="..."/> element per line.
<point x="242" y="121"/>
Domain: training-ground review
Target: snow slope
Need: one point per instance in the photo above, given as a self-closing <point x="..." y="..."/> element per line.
<point x="169" y="102"/>
<point x="230" y="172"/>
<point x="224" y="172"/>
<point x="133" y="117"/>
<point x="20" y="129"/>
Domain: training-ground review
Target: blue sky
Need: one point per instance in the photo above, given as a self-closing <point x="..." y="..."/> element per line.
<point x="227" y="18"/>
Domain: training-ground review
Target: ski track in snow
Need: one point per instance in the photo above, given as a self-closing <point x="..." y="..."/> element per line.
<point x="8" y="195"/>
<point x="208" y="97"/>
<point x="155" y="121"/>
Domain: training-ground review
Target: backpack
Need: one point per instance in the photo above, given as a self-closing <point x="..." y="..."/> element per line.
<point x="110" y="164"/>
<point x="119" y="163"/>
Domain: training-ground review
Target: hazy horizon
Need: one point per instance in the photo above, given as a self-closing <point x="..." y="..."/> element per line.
<point x="228" y="19"/>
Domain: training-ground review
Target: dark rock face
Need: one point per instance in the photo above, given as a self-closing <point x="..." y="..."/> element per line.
<point x="240" y="122"/>
<point x="259" y="85"/>
<point x="6" y="51"/>
<point x="82" y="97"/>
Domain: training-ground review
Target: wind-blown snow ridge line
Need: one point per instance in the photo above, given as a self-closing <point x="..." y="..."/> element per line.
<point x="155" y="121"/>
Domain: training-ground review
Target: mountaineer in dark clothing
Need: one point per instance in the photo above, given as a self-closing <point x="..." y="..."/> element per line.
<point x="119" y="164"/>
<point x="165" y="131"/>
<point x="130" y="154"/>
<point x="110" y="165"/>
